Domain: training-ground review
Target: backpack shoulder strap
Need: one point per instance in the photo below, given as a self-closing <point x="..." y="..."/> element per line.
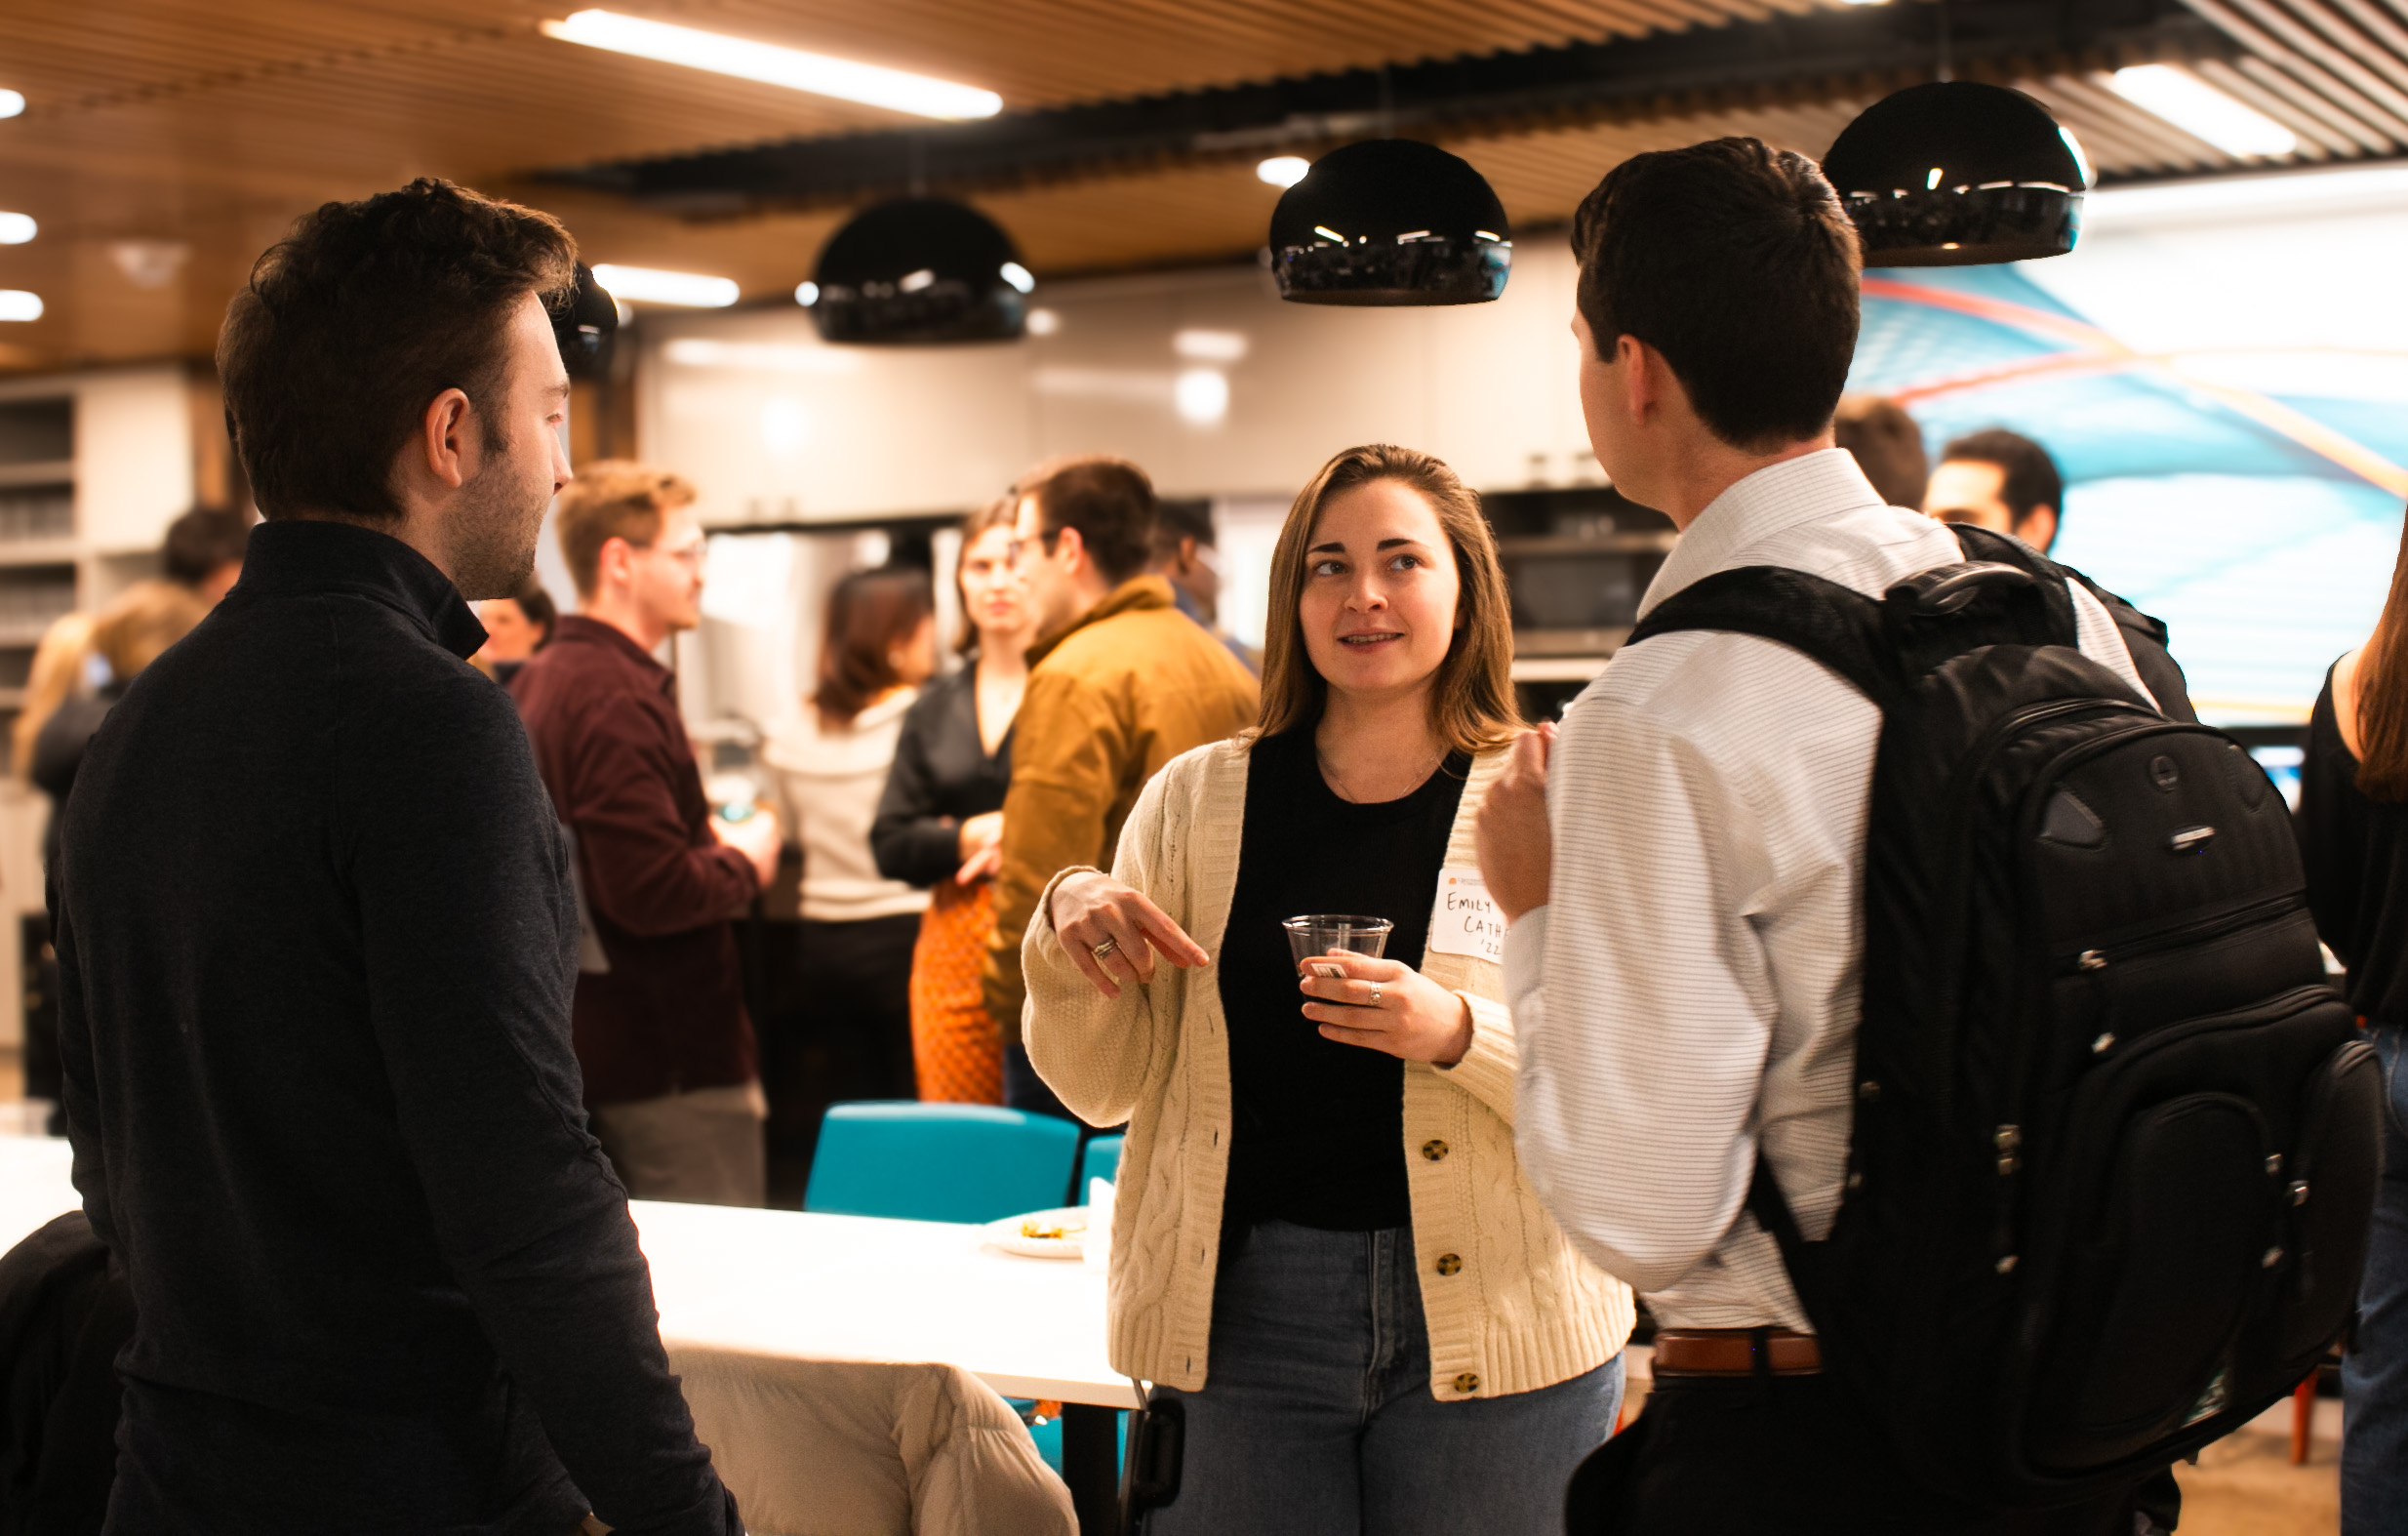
<point x="1835" y="626"/>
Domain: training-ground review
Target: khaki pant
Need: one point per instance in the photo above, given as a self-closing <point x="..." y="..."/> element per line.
<point x="704" y="1148"/>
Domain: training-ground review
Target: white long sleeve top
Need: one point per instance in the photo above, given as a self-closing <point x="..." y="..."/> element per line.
<point x="1691" y="987"/>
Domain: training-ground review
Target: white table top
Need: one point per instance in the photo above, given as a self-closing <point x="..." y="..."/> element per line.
<point x="803" y="1286"/>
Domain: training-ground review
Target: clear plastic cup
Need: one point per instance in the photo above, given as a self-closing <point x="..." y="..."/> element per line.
<point x="1312" y="937"/>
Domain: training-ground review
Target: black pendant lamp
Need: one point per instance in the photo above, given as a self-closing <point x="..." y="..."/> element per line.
<point x="1959" y="173"/>
<point x="1390" y="221"/>
<point x="919" y="270"/>
<point x="586" y="324"/>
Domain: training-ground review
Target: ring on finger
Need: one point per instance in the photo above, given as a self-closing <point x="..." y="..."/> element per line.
<point x="1375" y="994"/>
<point x="1105" y="950"/>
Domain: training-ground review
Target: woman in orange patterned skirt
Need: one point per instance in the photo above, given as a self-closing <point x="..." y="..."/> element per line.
<point x="941" y="820"/>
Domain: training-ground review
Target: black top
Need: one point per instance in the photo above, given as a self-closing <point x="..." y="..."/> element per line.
<point x="2356" y="853"/>
<point x="315" y="948"/>
<point x="942" y="778"/>
<point x="1319" y="1127"/>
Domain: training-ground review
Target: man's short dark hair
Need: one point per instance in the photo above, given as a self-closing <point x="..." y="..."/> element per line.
<point x="352" y="325"/>
<point x="2029" y="476"/>
<point x="204" y="541"/>
<point x="1177" y="519"/>
<point x="1736" y="262"/>
<point x="1887" y="446"/>
<point x="1108" y="501"/>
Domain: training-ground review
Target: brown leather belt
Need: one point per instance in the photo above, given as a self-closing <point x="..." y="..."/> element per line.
<point x="1736" y="1352"/>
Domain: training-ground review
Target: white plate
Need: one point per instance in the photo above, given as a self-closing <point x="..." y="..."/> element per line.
<point x="1008" y="1235"/>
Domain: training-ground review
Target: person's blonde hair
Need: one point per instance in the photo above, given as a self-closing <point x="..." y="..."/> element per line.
<point x="614" y="498"/>
<point x="129" y="633"/>
<point x="1471" y="705"/>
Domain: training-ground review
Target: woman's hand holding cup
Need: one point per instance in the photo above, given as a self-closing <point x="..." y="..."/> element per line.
<point x="1094" y="913"/>
<point x="1395" y="1008"/>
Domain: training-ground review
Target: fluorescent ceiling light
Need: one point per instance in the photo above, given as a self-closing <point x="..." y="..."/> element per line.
<point x="1210" y="346"/>
<point x="1283" y="170"/>
<point x="2201" y="110"/>
<point x="12" y="102"/>
<point x="15" y="304"/>
<point x="778" y="357"/>
<point x="649" y="285"/>
<point x="767" y="63"/>
<point x="16" y="228"/>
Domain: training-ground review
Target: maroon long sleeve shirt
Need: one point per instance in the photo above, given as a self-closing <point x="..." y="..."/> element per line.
<point x="669" y="1014"/>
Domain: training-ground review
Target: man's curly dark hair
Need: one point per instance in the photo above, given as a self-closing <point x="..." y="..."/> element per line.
<point x="354" y="324"/>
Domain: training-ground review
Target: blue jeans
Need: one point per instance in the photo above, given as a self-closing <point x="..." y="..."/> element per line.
<point x="2374" y="1373"/>
<point x="1319" y="1419"/>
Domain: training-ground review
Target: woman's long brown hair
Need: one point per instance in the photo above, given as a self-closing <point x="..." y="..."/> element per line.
<point x="1471" y="708"/>
<point x="2383" y="694"/>
<point x="869" y="615"/>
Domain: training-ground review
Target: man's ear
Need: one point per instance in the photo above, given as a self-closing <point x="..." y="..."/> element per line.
<point x="1638" y="363"/>
<point x="442" y="444"/>
<point x="2038" y="527"/>
<point x="1071" y="549"/>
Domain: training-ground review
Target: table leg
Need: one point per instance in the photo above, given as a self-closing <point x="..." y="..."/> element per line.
<point x="1091" y="1466"/>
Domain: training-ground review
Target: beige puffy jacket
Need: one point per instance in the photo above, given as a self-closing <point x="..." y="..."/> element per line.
<point x="1519" y="1308"/>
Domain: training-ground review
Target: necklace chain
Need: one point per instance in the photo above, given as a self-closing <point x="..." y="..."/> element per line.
<point x="1337" y="781"/>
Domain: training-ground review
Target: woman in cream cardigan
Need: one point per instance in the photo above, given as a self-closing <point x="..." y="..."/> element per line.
<point x="1323" y="1247"/>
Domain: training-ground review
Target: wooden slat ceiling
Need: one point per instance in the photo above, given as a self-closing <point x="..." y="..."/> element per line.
<point x="193" y="131"/>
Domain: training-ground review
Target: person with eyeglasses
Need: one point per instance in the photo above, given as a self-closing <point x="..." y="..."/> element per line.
<point x="1119" y="684"/>
<point x="671" y="1069"/>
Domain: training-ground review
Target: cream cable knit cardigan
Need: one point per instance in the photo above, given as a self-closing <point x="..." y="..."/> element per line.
<point x="1511" y="1306"/>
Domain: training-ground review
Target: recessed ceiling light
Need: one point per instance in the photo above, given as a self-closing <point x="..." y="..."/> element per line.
<point x="771" y="65"/>
<point x="12" y="102"/>
<point x="805" y="293"/>
<point x="2201" y="110"/>
<point x="1283" y="170"/>
<point x="1201" y="396"/>
<point x="17" y="304"/>
<point x="16" y="228"/>
<point x="647" y="285"/>
<point x="1019" y="277"/>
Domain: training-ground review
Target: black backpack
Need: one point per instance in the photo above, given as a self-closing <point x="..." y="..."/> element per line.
<point x="2116" y="1138"/>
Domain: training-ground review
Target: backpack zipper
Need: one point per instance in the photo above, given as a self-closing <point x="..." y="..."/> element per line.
<point x="2196" y="931"/>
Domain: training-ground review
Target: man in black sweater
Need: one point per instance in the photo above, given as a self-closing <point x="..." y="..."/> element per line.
<point x="316" y="947"/>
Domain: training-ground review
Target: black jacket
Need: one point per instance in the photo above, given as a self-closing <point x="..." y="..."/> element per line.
<point x="941" y="776"/>
<point x="316" y="944"/>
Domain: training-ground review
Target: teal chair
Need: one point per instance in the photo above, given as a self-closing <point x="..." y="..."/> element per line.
<point x="1103" y="1161"/>
<point x="939" y="1163"/>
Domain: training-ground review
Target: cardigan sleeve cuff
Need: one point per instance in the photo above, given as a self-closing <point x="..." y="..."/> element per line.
<point x="1486" y="1071"/>
<point x="1042" y="942"/>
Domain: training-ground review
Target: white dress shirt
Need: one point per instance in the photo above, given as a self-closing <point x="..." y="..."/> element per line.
<point x="1692" y="985"/>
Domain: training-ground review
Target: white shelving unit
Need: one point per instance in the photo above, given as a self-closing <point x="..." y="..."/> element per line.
<point x="93" y="468"/>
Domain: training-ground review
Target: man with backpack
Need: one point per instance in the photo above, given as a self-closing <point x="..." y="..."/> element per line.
<point x="1785" y="1081"/>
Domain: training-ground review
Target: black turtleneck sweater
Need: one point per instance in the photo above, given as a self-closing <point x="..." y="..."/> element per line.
<point x="316" y="947"/>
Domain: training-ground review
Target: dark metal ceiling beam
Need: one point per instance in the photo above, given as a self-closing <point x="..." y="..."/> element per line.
<point x="1859" y="51"/>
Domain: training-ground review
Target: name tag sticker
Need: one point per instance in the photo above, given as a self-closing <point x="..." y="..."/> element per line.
<point x="1465" y="921"/>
